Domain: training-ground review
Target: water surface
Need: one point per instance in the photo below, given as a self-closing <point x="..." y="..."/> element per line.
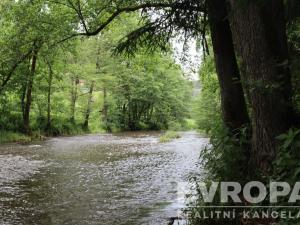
<point x="128" y="179"/>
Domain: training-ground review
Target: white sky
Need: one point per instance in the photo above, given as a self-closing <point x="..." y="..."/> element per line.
<point x="188" y="57"/>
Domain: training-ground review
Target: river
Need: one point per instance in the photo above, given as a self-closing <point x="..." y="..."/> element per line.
<point x="126" y="178"/>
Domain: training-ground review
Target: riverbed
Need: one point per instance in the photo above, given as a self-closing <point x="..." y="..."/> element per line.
<point x="126" y="178"/>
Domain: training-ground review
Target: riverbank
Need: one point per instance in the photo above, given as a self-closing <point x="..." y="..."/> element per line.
<point x="70" y="129"/>
<point x="18" y="137"/>
<point x="11" y="137"/>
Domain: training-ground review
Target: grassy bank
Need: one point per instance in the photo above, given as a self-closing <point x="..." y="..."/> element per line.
<point x="9" y="136"/>
<point x="169" y="136"/>
<point x="12" y="136"/>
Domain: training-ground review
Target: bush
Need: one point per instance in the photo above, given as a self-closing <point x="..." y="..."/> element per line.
<point x="12" y="121"/>
<point x="59" y="126"/>
<point x="225" y="158"/>
<point x="286" y="165"/>
<point x="168" y="136"/>
<point x="206" y="107"/>
<point x="9" y="136"/>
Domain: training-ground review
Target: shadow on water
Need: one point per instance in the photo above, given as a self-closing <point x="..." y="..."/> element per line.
<point x="128" y="178"/>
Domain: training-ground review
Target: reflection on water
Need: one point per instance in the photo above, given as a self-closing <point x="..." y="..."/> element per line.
<point x="128" y="178"/>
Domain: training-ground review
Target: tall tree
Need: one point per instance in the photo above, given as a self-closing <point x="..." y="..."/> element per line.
<point x="27" y="106"/>
<point x="88" y="108"/>
<point x="49" y="92"/>
<point x="234" y="110"/>
<point x="259" y="35"/>
<point x="74" y="96"/>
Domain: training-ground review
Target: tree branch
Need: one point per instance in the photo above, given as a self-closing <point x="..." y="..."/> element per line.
<point x="128" y="10"/>
<point x="14" y="67"/>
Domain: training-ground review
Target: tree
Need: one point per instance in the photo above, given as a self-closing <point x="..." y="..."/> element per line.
<point x="88" y="108"/>
<point x="149" y="94"/>
<point x="234" y="108"/>
<point x="27" y="105"/>
<point x="49" y="81"/>
<point x="259" y="35"/>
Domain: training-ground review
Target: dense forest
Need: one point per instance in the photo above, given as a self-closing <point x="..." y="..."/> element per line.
<point x="51" y="88"/>
<point x="75" y="66"/>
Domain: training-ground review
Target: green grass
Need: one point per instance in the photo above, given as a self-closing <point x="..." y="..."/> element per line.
<point x="191" y="124"/>
<point x="9" y="136"/>
<point x="185" y="125"/>
<point x="169" y="136"/>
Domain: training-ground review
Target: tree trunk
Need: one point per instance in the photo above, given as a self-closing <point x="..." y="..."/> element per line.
<point x="234" y="110"/>
<point x="88" y="110"/>
<point x="50" y="78"/>
<point x="23" y="96"/>
<point x="105" y="110"/>
<point x="27" y="106"/>
<point x="292" y="10"/>
<point x="74" y="93"/>
<point x="260" y="40"/>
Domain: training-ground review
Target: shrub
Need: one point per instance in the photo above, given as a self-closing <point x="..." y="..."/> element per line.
<point x="168" y="136"/>
<point x="10" y="136"/>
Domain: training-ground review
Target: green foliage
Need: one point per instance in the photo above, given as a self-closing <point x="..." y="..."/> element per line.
<point x="286" y="166"/>
<point x="59" y="126"/>
<point x="150" y="93"/>
<point x="145" y="92"/>
<point x="11" y="117"/>
<point x="294" y="40"/>
<point x="224" y="159"/>
<point x="183" y="125"/>
<point x="206" y="107"/>
<point x="9" y="136"/>
<point x="169" y="136"/>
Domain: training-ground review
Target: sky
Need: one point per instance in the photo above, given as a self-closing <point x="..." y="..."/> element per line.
<point x="188" y="57"/>
<point x="185" y="53"/>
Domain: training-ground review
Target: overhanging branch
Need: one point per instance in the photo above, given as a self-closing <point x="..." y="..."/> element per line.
<point x="118" y="12"/>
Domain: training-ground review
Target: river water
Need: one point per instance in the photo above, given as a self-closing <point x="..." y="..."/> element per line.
<point x="127" y="178"/>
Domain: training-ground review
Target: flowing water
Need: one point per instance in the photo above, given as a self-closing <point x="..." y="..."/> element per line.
<point x="128" y="179"/>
